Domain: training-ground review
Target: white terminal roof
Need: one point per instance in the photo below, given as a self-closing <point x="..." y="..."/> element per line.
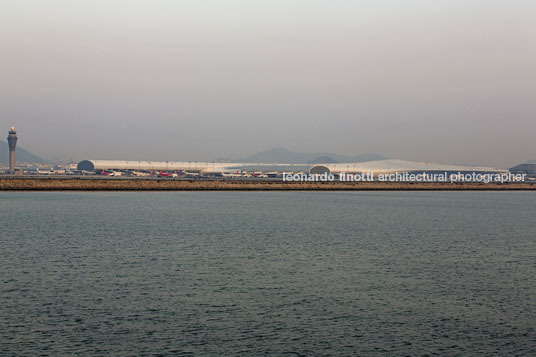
<point x="392" y="166"/>
<point x="97" y="165"/>
<point x="377" y="167"/>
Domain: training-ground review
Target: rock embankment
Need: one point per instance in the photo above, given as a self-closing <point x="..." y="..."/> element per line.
<point x="108" y="184"/>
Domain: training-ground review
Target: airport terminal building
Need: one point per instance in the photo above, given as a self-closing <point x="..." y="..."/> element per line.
<point x="188" y="166"/>
<point x="215" y="168"/>
<point x="399" y="166"/>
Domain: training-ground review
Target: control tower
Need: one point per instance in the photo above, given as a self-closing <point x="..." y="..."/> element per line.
<point x="12" y="141"/>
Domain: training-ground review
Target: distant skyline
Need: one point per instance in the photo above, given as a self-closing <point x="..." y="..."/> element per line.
<point x="443" y="81"/>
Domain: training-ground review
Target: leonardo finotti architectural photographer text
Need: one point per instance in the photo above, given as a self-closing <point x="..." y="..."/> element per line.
<point x="408" y="177"/>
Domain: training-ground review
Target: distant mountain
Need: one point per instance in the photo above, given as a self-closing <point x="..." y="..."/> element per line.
<point x="20" y="154"/>
<point x="290" y="157"/>
<point x="323" y="160"/>
<point x="358" y="158"/>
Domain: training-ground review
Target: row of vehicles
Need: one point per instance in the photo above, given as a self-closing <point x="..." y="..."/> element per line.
<point x="186" y="174"/>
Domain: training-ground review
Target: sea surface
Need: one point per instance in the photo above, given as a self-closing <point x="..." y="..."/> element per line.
<point x="268" y="273"/>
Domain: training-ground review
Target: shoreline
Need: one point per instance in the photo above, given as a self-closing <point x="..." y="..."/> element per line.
<point x="162" y="184"/>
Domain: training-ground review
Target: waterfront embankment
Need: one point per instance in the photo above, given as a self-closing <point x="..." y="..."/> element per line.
<point x="132" y="184"/>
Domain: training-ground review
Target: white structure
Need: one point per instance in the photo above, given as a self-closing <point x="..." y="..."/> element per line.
<point x="394" y="166"/>
<point x="190" y="166"/>
<point x="377" y="167"/>
<point x="194" y="166"/>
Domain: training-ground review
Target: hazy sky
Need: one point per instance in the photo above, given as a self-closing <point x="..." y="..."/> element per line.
<point x="449" y="81"/>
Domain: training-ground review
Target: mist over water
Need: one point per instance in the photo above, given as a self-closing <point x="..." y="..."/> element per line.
<point x="308" y="273"/>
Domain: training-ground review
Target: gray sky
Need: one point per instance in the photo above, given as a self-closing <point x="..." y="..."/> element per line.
<point x="449" y="81"/>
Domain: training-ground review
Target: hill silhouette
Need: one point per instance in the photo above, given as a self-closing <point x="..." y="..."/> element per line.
<point x="21" y="154"/>
<point x="285" y="156"/>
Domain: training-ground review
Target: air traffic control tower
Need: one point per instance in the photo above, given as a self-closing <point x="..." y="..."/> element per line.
<point x="12" y="141"/>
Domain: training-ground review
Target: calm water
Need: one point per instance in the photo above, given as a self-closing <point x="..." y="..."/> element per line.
<point x="275" y="273"/>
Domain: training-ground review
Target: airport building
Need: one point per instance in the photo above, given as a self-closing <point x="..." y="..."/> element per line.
<point x="394" y="166"/>
<point x="216" y="168"/>
<point x="205" y="168"/>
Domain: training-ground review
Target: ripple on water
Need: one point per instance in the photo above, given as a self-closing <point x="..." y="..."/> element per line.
<point x="275" y="273"/>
